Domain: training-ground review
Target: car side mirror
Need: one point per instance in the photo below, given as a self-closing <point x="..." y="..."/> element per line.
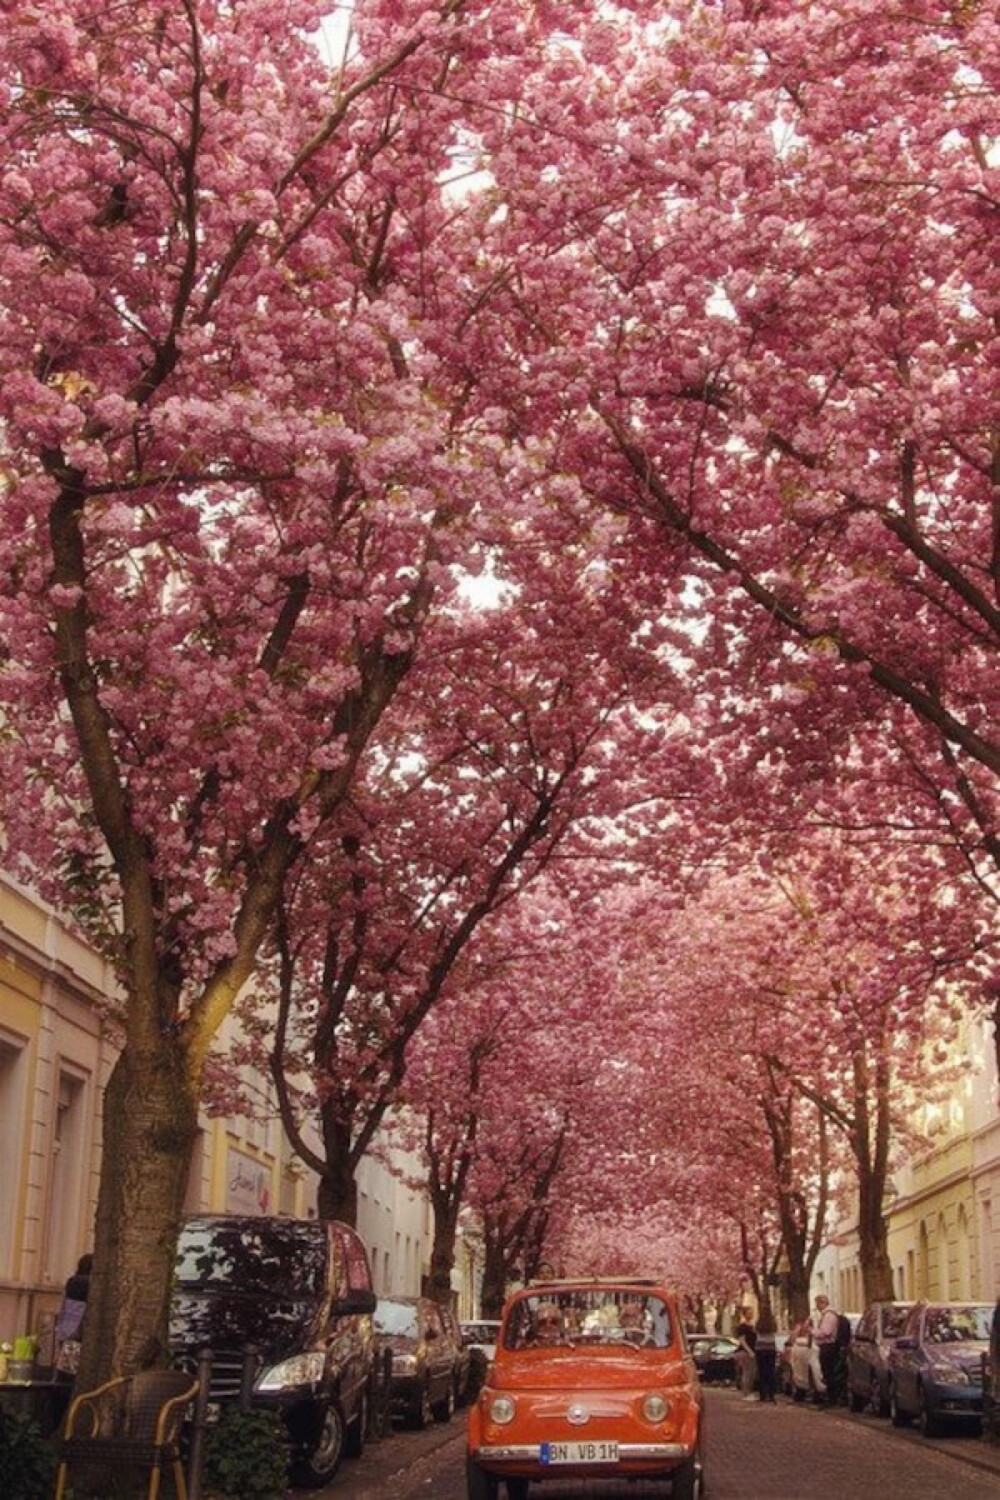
<point x="905" y="1343"/>
<point x="355" y="1304"/>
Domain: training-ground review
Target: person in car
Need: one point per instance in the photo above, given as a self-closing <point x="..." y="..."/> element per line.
<point x="548" y="1327"/>
<point x="632" y="1321"/>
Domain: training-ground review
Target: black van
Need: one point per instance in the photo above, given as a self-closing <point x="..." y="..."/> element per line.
<point x="299" y="1292"/>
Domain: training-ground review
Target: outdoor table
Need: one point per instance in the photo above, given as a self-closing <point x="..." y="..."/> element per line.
<point x="31" y="1398"/>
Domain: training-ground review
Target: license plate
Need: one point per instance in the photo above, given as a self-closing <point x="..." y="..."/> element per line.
<point x="579" y="1453"/>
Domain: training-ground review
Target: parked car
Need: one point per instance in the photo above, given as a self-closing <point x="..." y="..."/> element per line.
<point x="801" y="1376"/>
<point x="591" y="1380"/>
<point x="868" y="1356"/>
<point x="936" y="1364"/>
<point x="480" y="1339"/>
<point x="714" y="1357"/>
<point x="463" y="1357"/>
<point x="424" y="1359"/>
<point x="299" y="1292"/>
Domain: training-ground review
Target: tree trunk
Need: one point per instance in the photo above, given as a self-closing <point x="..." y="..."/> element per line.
<point x="494" y="1278"/>
<point x="798" y="1292"/>
<point x="442" y="1253"/>
<point x="337" y="1196"/>
<point x="873" y="1240"/>
<point x="150" y="1122"/>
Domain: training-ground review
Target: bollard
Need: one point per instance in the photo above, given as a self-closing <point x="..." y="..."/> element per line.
<point x="247" y="1376"/>
<point x="196" y="1452"/>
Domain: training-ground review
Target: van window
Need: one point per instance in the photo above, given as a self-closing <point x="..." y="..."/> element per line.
<point x="274" y="1257"/>
<point x="398" y="1318"/>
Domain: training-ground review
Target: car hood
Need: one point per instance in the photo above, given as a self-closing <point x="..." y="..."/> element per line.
<point x="278" y="1327"/>
<point x="969" y="1356"/>
<point x="573" y="1369"/>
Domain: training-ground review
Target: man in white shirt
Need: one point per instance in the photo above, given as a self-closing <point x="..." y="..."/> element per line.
<point x="824" y="1324"/>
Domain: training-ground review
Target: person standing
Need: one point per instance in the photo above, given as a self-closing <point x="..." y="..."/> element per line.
<point x="825" y="1323"/>
<point x="766" y="1354"/>
<point x="746" y="1357"/>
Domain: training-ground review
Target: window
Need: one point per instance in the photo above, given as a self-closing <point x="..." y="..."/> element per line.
<point x="13" y="1059"/>
<point x="67" y="1178"/>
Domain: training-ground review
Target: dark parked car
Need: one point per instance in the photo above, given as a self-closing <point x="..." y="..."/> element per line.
<point x="936" y="1364"/>
<point x="463" y="1356"/>
<point x="481" y="1341"/>
<point x="299" y="1292"/>
<point x="868" y="1356"/>
<point x="714" y="1356"/>
<point x="424" y="1358"/>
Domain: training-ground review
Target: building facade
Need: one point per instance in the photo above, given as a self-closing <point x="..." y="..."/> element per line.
<point x="56" y="1055"/>
<point x="944" y="1233"/>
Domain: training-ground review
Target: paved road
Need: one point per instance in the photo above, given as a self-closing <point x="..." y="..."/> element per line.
<point x="784" y="1452"/>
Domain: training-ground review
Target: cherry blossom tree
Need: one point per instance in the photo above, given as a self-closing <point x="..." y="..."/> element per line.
<point x="236" y="472"/>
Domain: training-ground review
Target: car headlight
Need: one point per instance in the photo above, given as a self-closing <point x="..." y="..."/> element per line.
<point x="301" y="1369"/>
<point x="501" y="1410"/>
<point x="952" y="1374"/>
<point x="654" y="1408"/>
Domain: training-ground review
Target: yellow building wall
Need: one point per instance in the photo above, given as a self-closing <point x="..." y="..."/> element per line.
<point x="932" y="1240"/>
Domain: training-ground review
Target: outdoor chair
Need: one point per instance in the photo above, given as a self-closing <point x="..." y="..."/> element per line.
<point x="128" y="1426"/>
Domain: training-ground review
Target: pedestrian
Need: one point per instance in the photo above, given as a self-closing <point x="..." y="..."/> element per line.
<point x="766" y="1354"/>
<point x="824" y="1326"/>
<point x="746" y="1354"/>
<point x="69" y="1335"/>
<point x="69" y="1319"/>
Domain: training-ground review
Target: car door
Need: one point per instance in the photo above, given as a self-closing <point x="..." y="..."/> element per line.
<point x="860" y="1354"/>
<point x="906" y="1360"/>
<point x="440" y="1361"/>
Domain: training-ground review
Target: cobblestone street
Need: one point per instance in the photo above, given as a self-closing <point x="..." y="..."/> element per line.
<point x="782" y="1453"/>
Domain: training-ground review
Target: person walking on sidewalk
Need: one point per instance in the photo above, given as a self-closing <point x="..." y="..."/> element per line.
<point x="766" y="1355"/>
<point x="825" y="1323"/>
<point x="746" y="1356"/>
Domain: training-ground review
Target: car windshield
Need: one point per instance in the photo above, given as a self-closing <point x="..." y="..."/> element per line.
<point x="398" y="1318"/>
<point x="610" y="1316"/>
<point x="894" y="1321"/>
<point x="957" y="1325"/>
<point x="272" y="1258"/>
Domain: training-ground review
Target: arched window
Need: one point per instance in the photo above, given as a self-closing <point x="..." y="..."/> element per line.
<point x="943" y="1267"/>
<point x="963" y="1289"/>
<point x="923" y="1285"/>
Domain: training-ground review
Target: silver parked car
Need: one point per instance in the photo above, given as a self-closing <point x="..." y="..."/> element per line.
<point x="868" y="1356"/>
<point x="936" y="1365"/>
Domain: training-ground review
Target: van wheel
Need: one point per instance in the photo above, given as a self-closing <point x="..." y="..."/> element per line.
<point x="354" y="1441"/>
<point x="423" y="1412"/>
<point x="322" y="1461"/>
<point x="444" y="1410"/>
<point x="480" y="1485"/>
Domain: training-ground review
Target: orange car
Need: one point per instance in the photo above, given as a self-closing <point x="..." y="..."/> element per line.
<point x="591" y="1380"/>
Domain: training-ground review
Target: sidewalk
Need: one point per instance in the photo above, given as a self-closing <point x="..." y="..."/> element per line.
<point x="968" y="1447"/>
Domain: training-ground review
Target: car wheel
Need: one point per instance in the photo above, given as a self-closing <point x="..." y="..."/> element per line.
<point x="928" y="1421"/>
<point x="876" y="1400"/>
<point x="687" y="1483"/>
<point x="354" y="1440"/>
<point x="318" y="1466"/>
<point x="517" y="1489"/>
<point x="423" y="1412"/>
<point x="856" y="1402"/>
<point x="444" y="1409"/>
<point x="480" y="1485"/>
<point x="898" y="1417"/>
